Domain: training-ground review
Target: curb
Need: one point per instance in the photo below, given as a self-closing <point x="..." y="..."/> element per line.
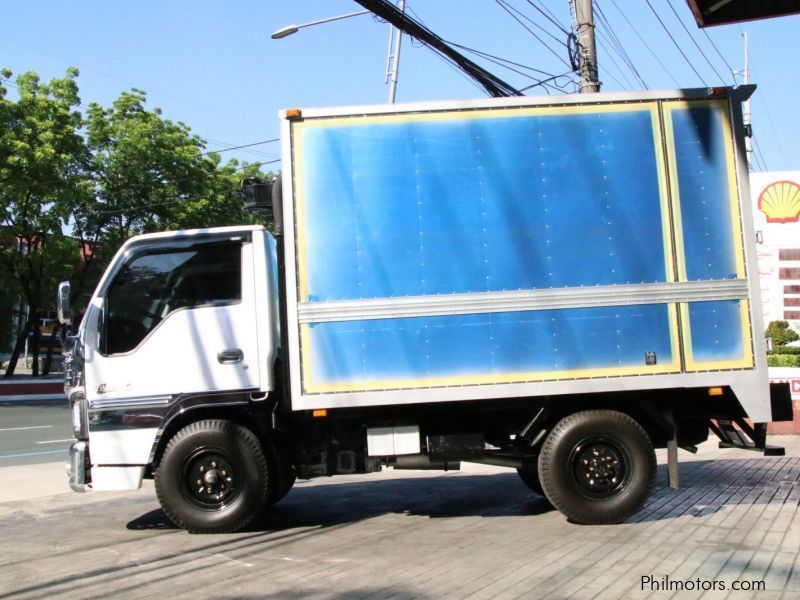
<point x="21" y="399"/>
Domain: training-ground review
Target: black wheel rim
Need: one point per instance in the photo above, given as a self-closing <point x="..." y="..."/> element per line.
<point x="211" y="478"/>
<point x="600" y="467"/>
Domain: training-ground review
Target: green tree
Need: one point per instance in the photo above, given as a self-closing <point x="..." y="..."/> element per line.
<point x="148" y="174"/>
<point x="780" y="333"/>
<point x="42" y="162"/>
<point x="134" y="173"/>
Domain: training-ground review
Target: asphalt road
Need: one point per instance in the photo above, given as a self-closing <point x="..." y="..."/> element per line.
<point x="34" y="432"/>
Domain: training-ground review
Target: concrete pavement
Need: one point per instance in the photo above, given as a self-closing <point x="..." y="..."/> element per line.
<point x="475" y="534"/>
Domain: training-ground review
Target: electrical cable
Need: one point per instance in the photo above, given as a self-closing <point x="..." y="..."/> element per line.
<point x="177" y="200"/>
<point x="531" y="21"/>
<point x="730" y="68"/>
<point x="240" y="147"/>
<point x="83" y="134"/>
<point x="646" y="45"/>
<point x="762" y="97"/>
<point x="628" y="85"/>
<point x="604" y="42"/>
<point x="686" y="58"/>
<point x="492" y="84"/>
<point x="616" y="44"/>
<point x="549" y="17"/>
<point x="529" y="30"/>
<point x="502" y="63"/>
<point x="757" y="154"/>
<point x="126" y="82"/>
<point x="504" y="60"/>
<point x="691" y="37"/>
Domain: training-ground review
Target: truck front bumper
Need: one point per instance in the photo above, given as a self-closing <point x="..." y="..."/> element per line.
<point x="77" y="467"/>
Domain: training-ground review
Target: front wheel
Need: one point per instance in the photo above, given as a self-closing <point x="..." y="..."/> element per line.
<point x="597" y="467"/>
<point x="529" y="473"/>
<point x="213" y="477"/>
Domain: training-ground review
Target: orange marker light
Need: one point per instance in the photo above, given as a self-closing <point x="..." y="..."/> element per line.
<point x="321" y="412"/>
<point x="294" y="113"/>
<point x="717" y="391"/>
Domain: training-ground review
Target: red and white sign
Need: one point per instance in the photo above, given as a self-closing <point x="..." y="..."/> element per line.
<point x="786" y="375"/>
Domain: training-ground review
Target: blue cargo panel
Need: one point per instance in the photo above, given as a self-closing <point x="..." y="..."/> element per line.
<point x="709" y="239"/>
<point x="453" y="204"/>
<point x="708" y="203"/>
<point x="488" y="348"/>
<point x="391" y="210"/>
<point x="719" y="335"/>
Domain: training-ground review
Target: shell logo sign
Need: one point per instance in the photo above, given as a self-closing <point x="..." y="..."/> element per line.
<point x="780" y="202"/>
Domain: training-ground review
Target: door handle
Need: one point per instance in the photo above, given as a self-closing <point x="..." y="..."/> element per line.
<point x="234" y="355"/>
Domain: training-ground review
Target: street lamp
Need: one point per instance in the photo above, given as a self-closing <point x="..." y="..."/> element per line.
<point x="290" y="29"/>
<point x="393" y="56"/>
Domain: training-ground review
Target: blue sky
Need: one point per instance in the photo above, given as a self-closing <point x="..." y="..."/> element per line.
<point x="213" y="65"/>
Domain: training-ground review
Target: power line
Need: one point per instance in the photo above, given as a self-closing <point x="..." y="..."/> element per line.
<point x="505" y="64"/>
<point x="240" y="147"/>
<point x="4" y="81"/>
<point x="664" y="27"/>
<point x="760" y="156"/>
<point x="114" y="78"/>
<point x="646" y="45"/>
<point x="486" y="54"/>
<point x="762" y="95"/>
<point x="545" y="83"/>
<point x="419" y="44"/>
<point x="549" y="17"/>
<point x="616" y="46"/>
<point x="730" y="68"/>
<point x="403" y="21"/>
<point x="691" y="37"/>
<point x="177" y="200"/>
<point x="603" y="42"/>
<point x="505" y="7"/>
<point x="532" y="22"/>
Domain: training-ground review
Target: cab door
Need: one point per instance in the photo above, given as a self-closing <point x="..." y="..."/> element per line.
<point x="175" y="316"/>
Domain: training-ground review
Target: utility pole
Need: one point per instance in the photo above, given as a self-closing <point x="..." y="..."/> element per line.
<point x="393" y="55"/>
<point x="584" y="25"/>
<point x="748" y="128"/>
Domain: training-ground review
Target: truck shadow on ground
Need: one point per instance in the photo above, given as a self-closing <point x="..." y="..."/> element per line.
<point x="332" y="503"/>
<point x="707" y="486"/>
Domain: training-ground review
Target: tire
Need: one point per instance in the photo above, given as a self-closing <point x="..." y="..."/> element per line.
<point x="213" y="477"/>
<point x="285" y="485"/>
<point x="529" y="473"/>
<point x="284" y="476"/>
<point x="597" y="467"/>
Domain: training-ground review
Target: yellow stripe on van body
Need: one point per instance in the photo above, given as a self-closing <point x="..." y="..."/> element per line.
<point x="736" y="225"/>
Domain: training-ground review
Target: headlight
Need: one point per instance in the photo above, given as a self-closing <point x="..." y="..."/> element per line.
<point x="79" y="412"/>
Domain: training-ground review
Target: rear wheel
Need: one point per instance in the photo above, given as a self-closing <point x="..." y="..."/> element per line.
<point x="213" y="477"/>
<point x="597" y="467"/>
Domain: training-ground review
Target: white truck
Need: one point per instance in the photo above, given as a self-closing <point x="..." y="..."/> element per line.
<point x="557" y="285"/>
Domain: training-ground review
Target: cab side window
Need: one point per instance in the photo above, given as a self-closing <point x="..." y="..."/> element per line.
<point x="156" y="283"/>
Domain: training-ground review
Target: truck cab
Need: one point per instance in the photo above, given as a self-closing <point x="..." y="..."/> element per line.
<point x="177" y="319"/>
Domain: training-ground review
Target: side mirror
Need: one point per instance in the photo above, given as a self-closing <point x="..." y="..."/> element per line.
<point x="62" y="303"/>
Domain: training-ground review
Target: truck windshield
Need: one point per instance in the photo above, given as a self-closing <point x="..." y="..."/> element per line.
<point x="158" y="282"/>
